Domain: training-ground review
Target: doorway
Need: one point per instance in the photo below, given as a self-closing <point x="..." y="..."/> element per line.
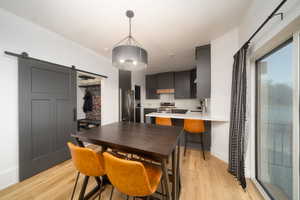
<point x="277" y="121"/>
<point x="88" y="100"/>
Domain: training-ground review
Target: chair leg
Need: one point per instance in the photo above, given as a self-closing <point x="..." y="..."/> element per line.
<point x="85" y="182"/>
<point x="99" y="198"/>
<point x="185" y="142"/>
<point x="127" y="197"/>
<point x="162" y="190"/>
<point x="202" y="146"/>
<point x="112" y="191"/>
<point x="99" y="182"/>
<point x="75" y="185"/>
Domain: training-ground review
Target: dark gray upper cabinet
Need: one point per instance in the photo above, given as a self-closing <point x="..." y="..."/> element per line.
<point x="183" y="82"/>
<point x="182" y="85"/>
<point x="151" y="87"/>
<point x="165" y="80"/>
<point x="203" y="71"/>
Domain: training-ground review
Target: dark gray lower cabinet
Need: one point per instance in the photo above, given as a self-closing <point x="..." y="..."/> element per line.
<point x="47" y="115"/>
<point x="194" y="138"/>
<point x="138" y="115"/>
<point x="147" y="111"/>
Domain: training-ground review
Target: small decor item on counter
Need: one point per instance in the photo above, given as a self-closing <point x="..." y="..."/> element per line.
<point x="204" y="105"/>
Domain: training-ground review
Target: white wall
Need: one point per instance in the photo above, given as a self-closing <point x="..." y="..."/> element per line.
<point x="258" y="12"/>
<point x="222" y="51"/>
<point x="17" y="35"/>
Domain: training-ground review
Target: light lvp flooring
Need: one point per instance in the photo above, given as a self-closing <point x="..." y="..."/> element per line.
<point x="201" y="180"/>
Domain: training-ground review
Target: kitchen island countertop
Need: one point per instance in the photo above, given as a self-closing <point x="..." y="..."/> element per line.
<point x="190" y="115"/>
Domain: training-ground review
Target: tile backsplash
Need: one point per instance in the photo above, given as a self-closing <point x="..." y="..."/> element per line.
<point x="179" y="103"/>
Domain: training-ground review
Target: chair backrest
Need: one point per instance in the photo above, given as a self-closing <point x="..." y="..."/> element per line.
<point x="163" y="121"/>
<point x="87" y="161"/>
<point x="129" y="177"/>
<point x="194" y="126"/>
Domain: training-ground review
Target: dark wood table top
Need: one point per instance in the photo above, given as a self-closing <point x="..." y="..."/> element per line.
<point x="143" y="139"/>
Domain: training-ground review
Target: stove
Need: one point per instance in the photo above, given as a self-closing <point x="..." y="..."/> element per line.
<point x="166" y="107"/>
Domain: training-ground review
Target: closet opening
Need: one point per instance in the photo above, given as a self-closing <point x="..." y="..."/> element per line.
<point x="88" y="100"/>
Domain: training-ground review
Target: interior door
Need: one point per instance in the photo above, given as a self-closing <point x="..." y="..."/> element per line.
<point x="47" y="105"/>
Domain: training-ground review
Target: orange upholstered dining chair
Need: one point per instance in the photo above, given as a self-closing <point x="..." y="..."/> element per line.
<point x="192" y="126"/>
<point x="162" y="121"/>
<point x="132" y="178"/>
<point x="87" y="162"/>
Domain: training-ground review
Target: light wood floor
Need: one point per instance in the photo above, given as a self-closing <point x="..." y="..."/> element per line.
<point x="201" y="180"/>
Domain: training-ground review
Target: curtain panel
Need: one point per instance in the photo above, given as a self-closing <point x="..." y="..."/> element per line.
<point x="237" y="134"/>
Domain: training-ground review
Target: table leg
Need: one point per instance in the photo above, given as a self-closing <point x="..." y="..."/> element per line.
<point x="80" y="143"/>
<point x="166" y="178"/>
<point x="178" y="170"/>
<point x="174" y="175"/>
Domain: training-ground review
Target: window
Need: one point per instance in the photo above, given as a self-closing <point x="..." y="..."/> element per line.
<point x="274" y="122"/>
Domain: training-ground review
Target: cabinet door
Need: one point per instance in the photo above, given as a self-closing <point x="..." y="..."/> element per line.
<point x="151" y="87"/>
<point x="147" y="111"/>
<point x="203" y="71"/>
<point x="182" y="85"/>
<point x="137" y="115"/>
<point x="165" y="80"/>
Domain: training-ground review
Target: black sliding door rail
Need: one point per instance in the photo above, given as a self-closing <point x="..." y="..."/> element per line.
<point x="274" y="13"/>
<point x="26" y="56"/>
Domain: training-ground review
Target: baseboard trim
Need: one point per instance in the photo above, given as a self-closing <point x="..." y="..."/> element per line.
<point x="9" y="177"/>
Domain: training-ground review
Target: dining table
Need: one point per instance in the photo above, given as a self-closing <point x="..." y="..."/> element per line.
<point x="154" y="142"/>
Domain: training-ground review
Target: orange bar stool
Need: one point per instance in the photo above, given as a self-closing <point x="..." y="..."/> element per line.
<point x="192" y="126"/>
<point x="162" y="121"/>
<point x="132" y="178"/>
<point x="89" y="163"/>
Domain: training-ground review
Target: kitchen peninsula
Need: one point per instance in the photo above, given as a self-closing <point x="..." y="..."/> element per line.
<point x="189" y="115"/>
<point x="178" y="120"/>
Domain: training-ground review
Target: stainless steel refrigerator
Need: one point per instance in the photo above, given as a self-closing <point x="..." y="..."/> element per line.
<point x="126" y="105"/>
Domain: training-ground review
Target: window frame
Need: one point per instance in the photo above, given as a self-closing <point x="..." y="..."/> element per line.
<point x="274" y="50"/>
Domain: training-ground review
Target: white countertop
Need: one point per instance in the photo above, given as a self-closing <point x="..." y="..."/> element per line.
<point x="190" y="115"/>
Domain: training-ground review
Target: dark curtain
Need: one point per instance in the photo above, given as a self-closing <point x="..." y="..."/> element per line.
<point x="238" y="117"/>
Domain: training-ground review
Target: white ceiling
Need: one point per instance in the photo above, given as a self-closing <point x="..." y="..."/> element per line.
<point x="163" y="27"/>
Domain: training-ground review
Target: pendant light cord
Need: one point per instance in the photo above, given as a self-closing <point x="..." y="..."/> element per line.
<point x="130" y="31"/>
<point x="129" y="39"/>
<point x="129" y="27"/>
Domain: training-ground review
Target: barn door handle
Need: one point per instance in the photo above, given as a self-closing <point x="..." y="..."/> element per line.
<point x="74" y="115"/>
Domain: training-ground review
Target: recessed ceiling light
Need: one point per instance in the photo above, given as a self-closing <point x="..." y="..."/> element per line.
<point x="106" y="49"/>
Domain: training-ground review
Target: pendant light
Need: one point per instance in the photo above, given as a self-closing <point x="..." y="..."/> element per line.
<point x="128" y="53"/>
